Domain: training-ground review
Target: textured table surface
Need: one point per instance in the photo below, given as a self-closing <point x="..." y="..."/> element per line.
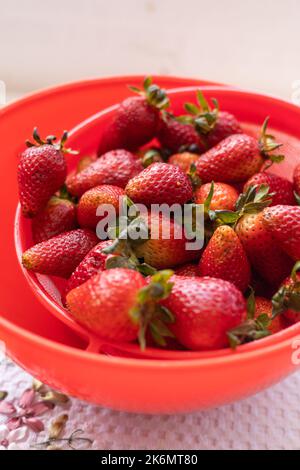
<point x="269" y="420"/>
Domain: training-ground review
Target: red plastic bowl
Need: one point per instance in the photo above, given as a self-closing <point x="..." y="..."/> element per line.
<point x="53" y="353"/>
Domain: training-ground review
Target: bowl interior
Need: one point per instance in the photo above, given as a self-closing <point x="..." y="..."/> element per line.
<point x="251" y="109"/>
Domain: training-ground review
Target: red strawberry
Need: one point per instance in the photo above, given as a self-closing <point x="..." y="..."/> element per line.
<point x="84" y="162"/>
<point x="58" y="216"/>
<point x="41" y="172"/>
<point x="184" y="160"/>
<point x="115" y="167"/>
<point x="189" y="270"/>
<point x="204" y="310"/>
<point x="174" y="135"/>
<point x="160" y="183"/>
<point x="264" y="306"/>
<point x="297" y="180"/>
<point x="60" y="255"/>
<point x="224" y="196"/>
<point x="262" y="250"/>
<point x="91" y="264"/>
<point x="287" y="299"/>
<point x="226" y="125"/>
<point x="136" y="120"/>
<point x="283" y="223"/>
<point x="119" y="304"/>
<point x="281" y="188"/>
<point x="225" y="258"/>
<point x="91" y="199"/>
<point x="237" y="158"/>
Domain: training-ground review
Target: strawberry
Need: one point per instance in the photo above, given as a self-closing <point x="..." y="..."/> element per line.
<point x="281" y="188"/>
<point x="58" y="216"/>
<point x="283" y="223"/>
<point x="91" y="199"/>
<point x="224" y="257"/>
<point x="160" y="183"/>
<point x="263" y="252"/>
<point x="184" y="160"/>
<point x="175" y="136"/>
<point x="211" y="124"/>
<point x="84" y="162"/>
<point x="115" y="167"/>
<point x="224" y="196"/>
<point x="121" y="305"/>
<point x="204" y="309"/>
<point x="136" y="120"/>
<point x="42" y="171"/>
<point x="237" y="158"/>
<point x="287" y="298"/>
<point x="92" y="263"/>
<point x="189" y="270"/>
<point x="264" y="306"/>
<point x="297" y="182"/>
<point x="60" y="255"/>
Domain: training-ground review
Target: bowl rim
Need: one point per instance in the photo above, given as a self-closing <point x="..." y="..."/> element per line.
<point x="245" y="355"/>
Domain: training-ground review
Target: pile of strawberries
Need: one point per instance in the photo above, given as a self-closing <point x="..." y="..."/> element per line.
<point x="241" y="286"/>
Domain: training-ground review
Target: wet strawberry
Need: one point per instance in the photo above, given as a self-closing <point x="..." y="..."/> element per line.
<point x="184" y="160"/>
<point x="160" y="183"/>
<point x="237" y="158"/>
<point x="115" y="168"/>
<point x="60" y="255"/>
<point x="58" y="216"/>
<point x="205" y="309"/>
<point x="136" y="120"/>
<point x="42" y="171"/>
<point x="92" y="199"/>
<point x="225" y="258"/>
<point x="281" y="188"/>
<point x="121" y="305"/>
<point x="263" y="251"/>
<point x="224" y="196"/>
<point x="283" y="223"/>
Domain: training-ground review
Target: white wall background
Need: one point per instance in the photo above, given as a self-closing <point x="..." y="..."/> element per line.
<point x="254" y="44"/>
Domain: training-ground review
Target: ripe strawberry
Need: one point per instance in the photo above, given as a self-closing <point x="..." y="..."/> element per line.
<point x="211" y="124"/>
<point x="237" y="158"/>
<point x="264" y="253"/>
<point x="136" y="120"/>
<point x="287" y="299"/>
<point x="205" y="309"/>
<point x="119" y="305"/>
<point x="160" y="183"/>
<point x="91" y="199"/>
<point x="84" y="162"/>
<point x="189" y="270"/>
<point x="175" y="135"/>
<point x="283" y="223"/>
<point x="60" y="255"/>
<point x="42" y="171"/>
<point x="58" y="216"/>
<point x="297" y="182"/>
<point x="184" y="160"/>
<point x="91" y="264"/>
<point x="225" y="258"/>
<point x="281" y="188"/>
<point x="115" y="167"/>
<point x="264" y="306"/>
<point x="224" y="196"/>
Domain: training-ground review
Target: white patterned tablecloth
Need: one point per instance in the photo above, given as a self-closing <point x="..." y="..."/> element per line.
<point x="269" y="420"/>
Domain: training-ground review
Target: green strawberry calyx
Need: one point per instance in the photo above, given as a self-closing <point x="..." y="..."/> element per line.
<point x="149" y="314"/>
<point x="288" y="296"/>
<point x="252" y="328"/>
<point x="201" y="115"/>
<point x="154" y="95"/>
<point x="268" y="145"/>
<point x="51" y="140"/>
<point x="254" y="200"/>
